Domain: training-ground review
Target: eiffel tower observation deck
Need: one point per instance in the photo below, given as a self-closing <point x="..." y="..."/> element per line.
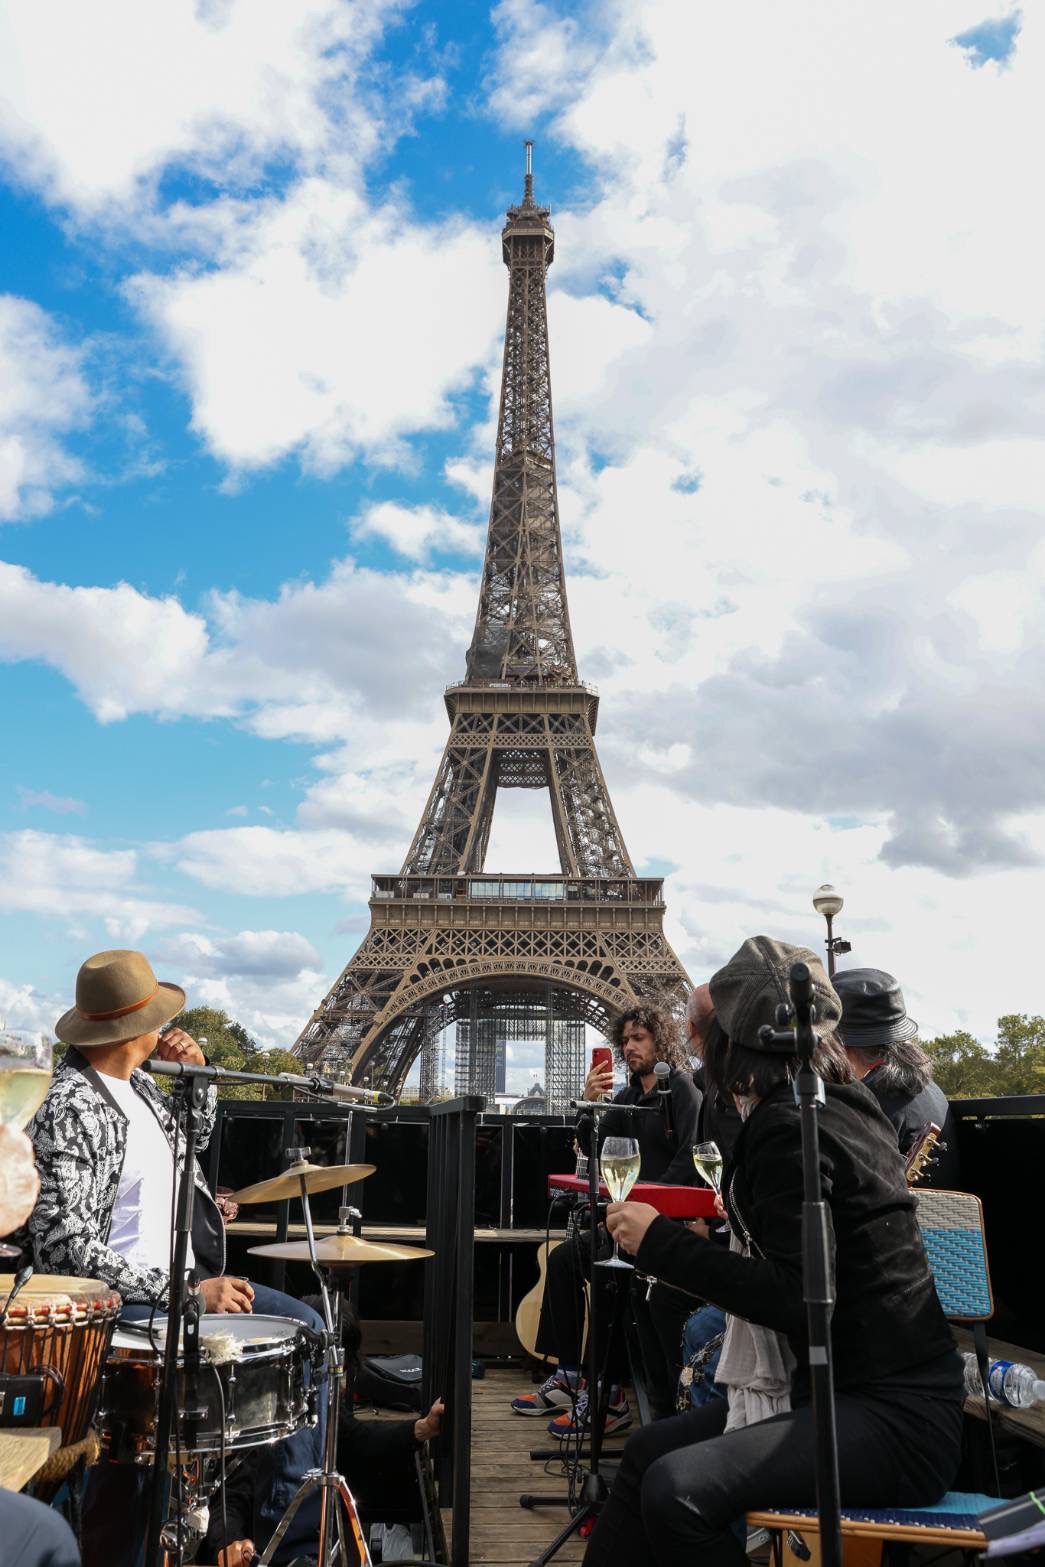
<point x="509" y="959"/>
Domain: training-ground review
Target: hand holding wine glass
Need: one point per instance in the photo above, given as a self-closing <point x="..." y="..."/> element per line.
<point x="708" y="1159"/>
<point x="620" y="1160"/>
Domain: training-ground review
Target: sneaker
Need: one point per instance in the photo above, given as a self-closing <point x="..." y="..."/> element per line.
<point x="571" y="1422"/>
<point x="558" y="1392"/>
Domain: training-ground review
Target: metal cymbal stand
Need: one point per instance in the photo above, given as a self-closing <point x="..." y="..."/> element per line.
<point x="338" y="1516"/>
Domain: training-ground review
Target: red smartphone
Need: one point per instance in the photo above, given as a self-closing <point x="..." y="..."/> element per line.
<point x="601" y="1055"/>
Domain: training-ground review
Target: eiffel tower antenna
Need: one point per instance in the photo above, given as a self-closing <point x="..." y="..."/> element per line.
<point x="510" y="959"/>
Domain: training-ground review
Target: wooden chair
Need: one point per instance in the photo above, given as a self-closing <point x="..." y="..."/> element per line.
<point x="952" y="1229"/>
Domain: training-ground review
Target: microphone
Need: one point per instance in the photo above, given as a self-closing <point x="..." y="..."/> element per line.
<point x="662" y="1072"/>
<point x="365" y="1096"/>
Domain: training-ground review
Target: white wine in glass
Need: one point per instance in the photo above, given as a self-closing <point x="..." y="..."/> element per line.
<point x="619" y="1166"/>
<point x="25" y="1076"/>
<point x="708" y="1159"/>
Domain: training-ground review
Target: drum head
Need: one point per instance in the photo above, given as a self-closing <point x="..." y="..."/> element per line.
<point x="57" y="1293"/>
<point x="249" y="1332"/>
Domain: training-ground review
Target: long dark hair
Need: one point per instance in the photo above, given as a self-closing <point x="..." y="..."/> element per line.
<point x="734" y="1068"/>
<point x="663" y="1025"/>
<point x="905" y="1067"/>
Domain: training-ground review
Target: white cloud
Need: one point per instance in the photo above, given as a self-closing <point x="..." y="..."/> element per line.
<point x="273" y="955"/>
<point x="44" y="800"/>
<point x="307" y="664"/>
<point x="267" y="862"/>
<point x="43" y="397"/>
<point x="24" y="1007"/>
<point x="62" y="876"/>
<point x="418" y="532"/>
<point x="325" y="327"/>
<point x="217" y="87"/>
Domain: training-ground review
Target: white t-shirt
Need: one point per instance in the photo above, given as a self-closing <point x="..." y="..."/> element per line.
<point x="142" y="1227"/>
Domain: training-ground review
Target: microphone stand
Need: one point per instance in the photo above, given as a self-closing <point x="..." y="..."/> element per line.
<point x="817" y="1290"/>
<point x="190" y="1100"/>
<point x="594" y="1490"/>
<point x="189" y="1094"/>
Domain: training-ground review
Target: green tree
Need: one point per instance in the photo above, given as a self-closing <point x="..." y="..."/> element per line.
<point x="1020" y="1054"/>
<point x="231" y="1046"/>
<point x="962" y="1066"/>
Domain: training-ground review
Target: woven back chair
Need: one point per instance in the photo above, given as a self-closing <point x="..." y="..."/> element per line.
<point x="952" y="1230"/>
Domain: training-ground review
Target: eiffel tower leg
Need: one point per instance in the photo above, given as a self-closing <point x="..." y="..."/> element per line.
<point x="581" y="803"/>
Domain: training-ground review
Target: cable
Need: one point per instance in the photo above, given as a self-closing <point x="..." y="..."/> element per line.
<point x="221" y="1460"/>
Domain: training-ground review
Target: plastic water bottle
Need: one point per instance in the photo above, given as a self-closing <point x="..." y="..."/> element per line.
<point x="1009" y="1382"/>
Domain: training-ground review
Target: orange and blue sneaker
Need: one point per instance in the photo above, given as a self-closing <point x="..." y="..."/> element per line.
<point x="558" y="1392"/>
<point x="572" y="1422"/>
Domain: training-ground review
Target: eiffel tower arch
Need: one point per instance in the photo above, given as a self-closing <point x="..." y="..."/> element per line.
<point x="506" y="957"/>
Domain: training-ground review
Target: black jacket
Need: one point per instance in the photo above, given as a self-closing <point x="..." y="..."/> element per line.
<point x="887" y="1317"/>
<point x="719" y="1117"/>
<point x="909" y="1113"/>
<point x="663" y="1159"/>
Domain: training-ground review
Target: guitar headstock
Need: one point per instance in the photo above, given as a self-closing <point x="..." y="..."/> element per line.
<point x="922" y="1154"/>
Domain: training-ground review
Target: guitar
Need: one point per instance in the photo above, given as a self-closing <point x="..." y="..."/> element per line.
<point x="528" y="1311"/>
<point x="921" y="1155"/>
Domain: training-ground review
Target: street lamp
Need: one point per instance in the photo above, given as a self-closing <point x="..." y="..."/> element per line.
<point x="828" y="902"/>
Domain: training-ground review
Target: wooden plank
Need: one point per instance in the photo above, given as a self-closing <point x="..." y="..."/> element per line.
<point x="22" y="1453"/>
<point x="504" y="1534"/>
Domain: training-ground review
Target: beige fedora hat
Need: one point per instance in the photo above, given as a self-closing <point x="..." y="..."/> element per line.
<point x="118" y="997"/>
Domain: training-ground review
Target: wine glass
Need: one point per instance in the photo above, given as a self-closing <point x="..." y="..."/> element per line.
<point x="620" y="1162"/>
<point x="708" y="1159"/>
<point x="26" y="1061"/>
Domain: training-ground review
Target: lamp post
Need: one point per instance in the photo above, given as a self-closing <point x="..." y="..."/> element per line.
<point x="828" y="902"/>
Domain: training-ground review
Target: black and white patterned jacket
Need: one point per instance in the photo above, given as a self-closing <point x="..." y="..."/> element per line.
<point x="80" y="1137"/>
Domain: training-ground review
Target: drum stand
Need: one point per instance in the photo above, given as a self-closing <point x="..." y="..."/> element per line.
<point x="338" y="1516"/>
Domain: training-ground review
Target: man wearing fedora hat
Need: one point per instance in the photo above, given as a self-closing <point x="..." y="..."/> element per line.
<point x="881" y="1042"/>
<point x="106" y="1142"/>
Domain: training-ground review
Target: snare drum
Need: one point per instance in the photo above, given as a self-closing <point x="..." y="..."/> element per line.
<point x="251" y="1387"/>
<point x="62" y="1327"/>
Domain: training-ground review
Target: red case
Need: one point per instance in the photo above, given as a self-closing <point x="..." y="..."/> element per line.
<point x="601" y="1055"/>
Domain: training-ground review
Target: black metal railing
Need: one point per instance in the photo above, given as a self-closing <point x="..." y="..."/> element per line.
<point x="449" y="1304"/>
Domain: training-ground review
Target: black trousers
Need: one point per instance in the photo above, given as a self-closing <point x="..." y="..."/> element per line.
<point x="560" y="1332"/>
<point x="659" y="1322"/>
<point x="682" y="1482"/>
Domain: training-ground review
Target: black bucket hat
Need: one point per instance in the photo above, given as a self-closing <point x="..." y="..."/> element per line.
<point x="748" y="989"/>
<point x="873" y="1012"/>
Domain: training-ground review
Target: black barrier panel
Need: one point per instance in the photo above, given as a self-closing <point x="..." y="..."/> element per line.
<point x="540" y="1150"/>
<point x="328" y="1140"/>
<point x="489" y="1148"/>
<point x="397" y="1192"/>
<point x="250" y="1150"/>
<point x="1002" y="1150"/>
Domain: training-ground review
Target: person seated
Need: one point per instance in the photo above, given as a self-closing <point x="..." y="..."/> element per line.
<point x="642" y="1036"/>
<point x="683" y="1484"/>
<point x="105" y="1141"/>
<point x="881" y="1042"/>
<point x="705" y="1328"/>
<point x="33" y="1535"/>
<point x="376" y="1458"/>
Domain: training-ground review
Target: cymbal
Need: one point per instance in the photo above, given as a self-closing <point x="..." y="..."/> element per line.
<point x="317" y="1178"/>
<point x="342" y="1251"/>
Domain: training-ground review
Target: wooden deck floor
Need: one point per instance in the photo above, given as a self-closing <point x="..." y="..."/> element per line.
<point x="503" y="1532"/>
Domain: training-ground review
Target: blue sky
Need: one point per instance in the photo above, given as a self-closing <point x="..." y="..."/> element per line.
<point x="250" y="312"/>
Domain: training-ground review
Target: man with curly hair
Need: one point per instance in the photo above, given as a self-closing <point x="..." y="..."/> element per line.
<point x="642" y="1036"/>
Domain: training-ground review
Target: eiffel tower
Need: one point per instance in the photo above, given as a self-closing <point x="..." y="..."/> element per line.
<point x="506" y="957"/>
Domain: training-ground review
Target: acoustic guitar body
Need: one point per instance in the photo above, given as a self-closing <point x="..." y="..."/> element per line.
<point x="528" y="1311"/>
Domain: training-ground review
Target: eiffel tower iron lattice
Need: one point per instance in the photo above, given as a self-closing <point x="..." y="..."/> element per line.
<point x="506" y="957"/>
